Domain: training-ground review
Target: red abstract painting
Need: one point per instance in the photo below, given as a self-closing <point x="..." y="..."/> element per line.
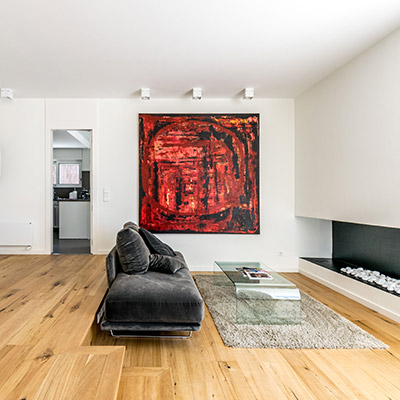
<point x="199" y="173"/>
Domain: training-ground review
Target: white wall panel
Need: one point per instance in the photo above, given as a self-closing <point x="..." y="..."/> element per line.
<point x="348" y="141"/>
<point x="22" y="181"/>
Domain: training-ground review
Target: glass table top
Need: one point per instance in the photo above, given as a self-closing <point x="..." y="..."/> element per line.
<point x="273" y="301"/>
<point x="232" y="271"/>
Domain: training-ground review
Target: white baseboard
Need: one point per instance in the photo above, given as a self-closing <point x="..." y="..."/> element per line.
<point x="23" y="251"/>
<point x="376" y="299"/>
<point x="100" y="251"/>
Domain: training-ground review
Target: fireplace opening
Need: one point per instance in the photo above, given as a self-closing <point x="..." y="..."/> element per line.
<point x="369" y="254"/>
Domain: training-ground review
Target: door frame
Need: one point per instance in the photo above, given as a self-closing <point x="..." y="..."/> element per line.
<point x="49" y="187"/>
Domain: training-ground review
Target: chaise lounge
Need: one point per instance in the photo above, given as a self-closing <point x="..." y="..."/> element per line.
<point x="150" y="288"/>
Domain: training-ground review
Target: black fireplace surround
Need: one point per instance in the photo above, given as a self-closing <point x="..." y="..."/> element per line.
<point x="371" y="247"/>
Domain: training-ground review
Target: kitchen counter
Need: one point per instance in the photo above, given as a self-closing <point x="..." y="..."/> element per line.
<point x="74" y="219"/>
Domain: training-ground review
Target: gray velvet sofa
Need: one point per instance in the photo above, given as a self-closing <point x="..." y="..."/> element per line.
<point x="150" y="301"/>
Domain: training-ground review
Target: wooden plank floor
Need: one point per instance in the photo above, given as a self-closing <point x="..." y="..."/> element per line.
<point x="47" y="308"/>
<point x="203" y="368"/>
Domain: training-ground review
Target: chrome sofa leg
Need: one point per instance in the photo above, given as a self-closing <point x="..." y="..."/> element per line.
<point x="148" y="336"/>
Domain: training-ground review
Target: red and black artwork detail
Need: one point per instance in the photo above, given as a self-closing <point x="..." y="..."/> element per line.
<point x="199" y="173"/>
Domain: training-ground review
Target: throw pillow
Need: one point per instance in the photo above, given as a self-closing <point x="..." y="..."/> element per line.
<point x="132" y="252"/>
<point x="165" y="264"/>
<point x="155" y="245"/>
<point x="132" y="225"/>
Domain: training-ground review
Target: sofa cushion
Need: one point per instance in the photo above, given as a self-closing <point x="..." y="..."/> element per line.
<point x="165" y="264"/>
<point x="154" y="298"/>
<point x="155" y="245"/>
<point x="132" y="252"/>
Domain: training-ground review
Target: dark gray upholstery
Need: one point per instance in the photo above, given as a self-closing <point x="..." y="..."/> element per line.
<point x="155" y="245"/>
<point x="132" y="225"/>
<point x="133" y="326"/>
<point x="152" y="301"/>
<point x="165" y="264"/>
<point x="132" y="251"/>
<point x="154" y="297"/>
<point x="113" y="266"/>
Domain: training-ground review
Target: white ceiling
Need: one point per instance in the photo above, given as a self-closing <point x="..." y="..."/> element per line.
<point x="71" y="139"/>
<point x="105" y="48"/>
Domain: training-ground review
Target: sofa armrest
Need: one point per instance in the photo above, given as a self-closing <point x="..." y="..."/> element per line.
<point x="112" y="265"/>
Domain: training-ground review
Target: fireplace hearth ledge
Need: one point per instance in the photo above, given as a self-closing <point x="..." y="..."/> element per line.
<point x="372" y="297"/>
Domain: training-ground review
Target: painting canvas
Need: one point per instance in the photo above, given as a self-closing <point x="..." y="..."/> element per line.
<point x="199" y="173"/>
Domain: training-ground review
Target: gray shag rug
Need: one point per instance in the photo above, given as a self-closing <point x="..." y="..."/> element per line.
<point x="320" y="327"/>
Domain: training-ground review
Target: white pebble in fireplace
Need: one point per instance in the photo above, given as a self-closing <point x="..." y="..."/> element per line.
<point x="385" y="282"/>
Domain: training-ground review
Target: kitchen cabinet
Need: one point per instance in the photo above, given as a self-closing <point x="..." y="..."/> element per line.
<point x="74" y="219"/>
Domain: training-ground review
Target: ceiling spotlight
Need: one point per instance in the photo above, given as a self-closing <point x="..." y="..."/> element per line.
<point x="196" y="93"/>
<point x="6" y="94"/>
<point x="145" y="94"/>
<point x="248" y="93"/>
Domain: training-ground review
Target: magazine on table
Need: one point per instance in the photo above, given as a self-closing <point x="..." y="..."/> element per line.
<point x="255" y="273"/>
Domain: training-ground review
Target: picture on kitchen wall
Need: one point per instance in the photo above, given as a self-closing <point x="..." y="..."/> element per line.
<point x="199" y="173"/>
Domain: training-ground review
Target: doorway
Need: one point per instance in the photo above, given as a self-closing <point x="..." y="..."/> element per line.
<point x="71" y="181"/>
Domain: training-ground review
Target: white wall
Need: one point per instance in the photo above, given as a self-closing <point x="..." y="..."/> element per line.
<point x="67" y="154"/>
<point x="73" y="154"/>
<point x="348" y="141"/>
<point x="280" y="230"/>
<point x="115" y="167"/>
<point x="22" y="144"/>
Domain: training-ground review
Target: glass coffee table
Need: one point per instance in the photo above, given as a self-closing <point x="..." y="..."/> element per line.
<point x="262" y="301"/>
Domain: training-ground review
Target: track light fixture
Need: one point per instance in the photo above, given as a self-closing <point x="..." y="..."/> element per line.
<point x="248" y="93"/>
<point x="6" y="93"/>
<point x="145" y="94"/>
<point x="196" y="93"/>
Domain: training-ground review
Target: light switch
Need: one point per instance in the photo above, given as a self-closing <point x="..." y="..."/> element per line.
<point x="106" y="195"/>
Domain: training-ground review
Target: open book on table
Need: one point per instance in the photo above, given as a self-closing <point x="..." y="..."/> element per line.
<point x="255" y="273"/>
